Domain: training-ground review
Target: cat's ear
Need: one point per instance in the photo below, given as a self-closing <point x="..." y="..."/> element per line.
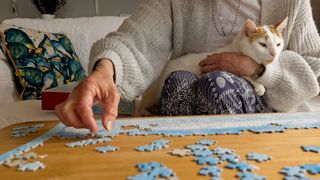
<point x="283" y="24"/>
<point x="249" y="27"/>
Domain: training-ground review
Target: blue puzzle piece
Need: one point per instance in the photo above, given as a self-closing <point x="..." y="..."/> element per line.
<point x="268" y="129"/>
<point x="315" y="149"/>
<point x="206" y="142"/>
<point x="203" y="153"/>
<point x="104" y="149"/>
<point x="153" y="170"/>
<point x="145" y="167"/>
<point x="138" y="133"/>
<point x="75" y="144"/>
<point x="162" y="172"/>
<point x="250" y="176"/>
<point x="220" y="151"/>
<point x="241" y="166"/>
<point x="196" y="147"/>
<point x="211" y="170"/>
<point x="312" y="168"/>
<point x="293" y="171"/>
<point x="86" y="142"/>
<point x="71" y="133"/>
<point x="31" y="166"/>
<point x="233" y="158"/>
<point x="295" y="178"/>
<point x="258" y="157"/>
<point x="207" y="160"/>
<point x="155" y="145"/>
<point x="103" y="133"/>
<point x="24" y="130"/>
<point x="171" y="134"/>
<point x="142" y="176"/>
<point x="32" y="144"/>
<point x="135" y="132"/>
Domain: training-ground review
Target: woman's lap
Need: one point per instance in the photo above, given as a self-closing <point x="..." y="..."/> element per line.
<point x="213" y="93"/>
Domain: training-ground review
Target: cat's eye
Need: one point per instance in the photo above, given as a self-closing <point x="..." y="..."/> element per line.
<point x="278" y="44"/>
<point x="263" y="44"/>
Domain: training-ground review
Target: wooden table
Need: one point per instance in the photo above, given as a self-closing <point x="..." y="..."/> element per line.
<point x="85" y="163"/>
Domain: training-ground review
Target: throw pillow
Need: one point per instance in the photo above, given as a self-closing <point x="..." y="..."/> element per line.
<point x="39" y="60"/>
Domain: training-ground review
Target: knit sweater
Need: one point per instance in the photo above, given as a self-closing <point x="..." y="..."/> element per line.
<point x="162" y="30"/>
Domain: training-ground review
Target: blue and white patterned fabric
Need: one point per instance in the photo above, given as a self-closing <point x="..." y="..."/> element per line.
<point x="184" y="93"/>
<point x="39" y="60"/>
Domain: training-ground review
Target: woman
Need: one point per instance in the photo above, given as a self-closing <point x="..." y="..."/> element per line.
<point x="127" y="61"/>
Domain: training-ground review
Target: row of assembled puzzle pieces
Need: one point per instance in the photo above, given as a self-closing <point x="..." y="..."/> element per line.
<point x="200" y="150"/>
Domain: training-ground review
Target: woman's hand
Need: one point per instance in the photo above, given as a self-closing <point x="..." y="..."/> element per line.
<point x="234" y="63"/>
<point x="76" y="111"/>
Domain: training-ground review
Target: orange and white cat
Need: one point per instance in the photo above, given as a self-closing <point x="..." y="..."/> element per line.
<point x="262" y="43"/>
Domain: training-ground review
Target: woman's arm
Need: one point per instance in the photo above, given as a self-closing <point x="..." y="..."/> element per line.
<point x="140" y="48"/>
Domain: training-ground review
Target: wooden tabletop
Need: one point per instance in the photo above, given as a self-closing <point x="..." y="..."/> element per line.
<point x="85" y="163"/>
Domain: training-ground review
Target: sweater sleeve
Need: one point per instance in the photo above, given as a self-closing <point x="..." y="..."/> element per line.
<point x="292" y="80"/>
<point x="139" y="49"/>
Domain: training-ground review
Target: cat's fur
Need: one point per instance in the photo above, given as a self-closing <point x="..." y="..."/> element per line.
<point x="262" y="43"/>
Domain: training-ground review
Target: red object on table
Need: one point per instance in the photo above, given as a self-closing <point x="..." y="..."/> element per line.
<point x="51" y="99"/>
<point x="54" y="96"/>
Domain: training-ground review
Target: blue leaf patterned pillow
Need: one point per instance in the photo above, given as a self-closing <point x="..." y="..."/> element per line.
<point x="39" y="60"/>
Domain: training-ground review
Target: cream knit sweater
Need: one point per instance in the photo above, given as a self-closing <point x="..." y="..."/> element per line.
<point x="160" y="30"/>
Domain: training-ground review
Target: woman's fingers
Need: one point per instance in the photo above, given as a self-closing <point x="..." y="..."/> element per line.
<point x="110" y="110"/>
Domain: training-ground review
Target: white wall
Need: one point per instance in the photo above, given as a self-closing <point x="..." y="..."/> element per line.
<point x="85" y="8"/>
<point x="73" y="8"/>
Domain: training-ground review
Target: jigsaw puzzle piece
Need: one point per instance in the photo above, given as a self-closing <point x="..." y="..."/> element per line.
<point x="153" y="170"/>
<point x="258" y="157"/>
<point x="87" y="142"/>
<point x="142" y="176"/>
<point x="155" y="145"/>
<point x="241" y="166"/>
<point x="220" y="151"/>
<point x="31" y="166"/>
<point x="207" y="160"/>
<point x="293" y="171"/>
<point x="202" y="153"/>
<point x="104" y="149"/>
<point x="29" y="155"/>
<point x="196" y="147"/>
<point x="250" y="176"/>
<point x="162" y="172"/>
<point x="315" y="149"/>
<point x="232" y="158"/>
<point x="312" y="168"/>
<point x="13" y="163"/>
<point x="144" y="167"/>
<point x="181" y="152"/>
<point x="206" y="142"/>
<point x="213" y="171"/>
<point x="25" y="130"/>
<point x="270" y="128"/>
<point x="71" y="133"/>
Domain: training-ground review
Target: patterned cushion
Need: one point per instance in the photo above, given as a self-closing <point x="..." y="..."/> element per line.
<point x="39" y="60"/>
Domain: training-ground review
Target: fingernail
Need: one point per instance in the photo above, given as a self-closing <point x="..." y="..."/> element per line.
<point x="93" y="134"/>
<point x="110" y="125"/>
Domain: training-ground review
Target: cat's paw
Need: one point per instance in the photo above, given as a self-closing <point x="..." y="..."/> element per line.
<point x="260" y="90"/>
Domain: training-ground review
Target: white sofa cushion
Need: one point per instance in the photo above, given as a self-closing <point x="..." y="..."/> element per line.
<point x="82" y="32"/>
<point x="8" y="91"/>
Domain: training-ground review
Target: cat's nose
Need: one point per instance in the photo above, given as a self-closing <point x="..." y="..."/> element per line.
<point x="273" y="54"/>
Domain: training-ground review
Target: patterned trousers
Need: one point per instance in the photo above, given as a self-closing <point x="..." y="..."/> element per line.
<point x="184" y="93"/>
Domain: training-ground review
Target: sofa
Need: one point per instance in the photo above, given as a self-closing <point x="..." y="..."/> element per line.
<point x="82" y="32"/>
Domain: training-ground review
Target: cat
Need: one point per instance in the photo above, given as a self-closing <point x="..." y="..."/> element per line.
<point x="262" y="43"/>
